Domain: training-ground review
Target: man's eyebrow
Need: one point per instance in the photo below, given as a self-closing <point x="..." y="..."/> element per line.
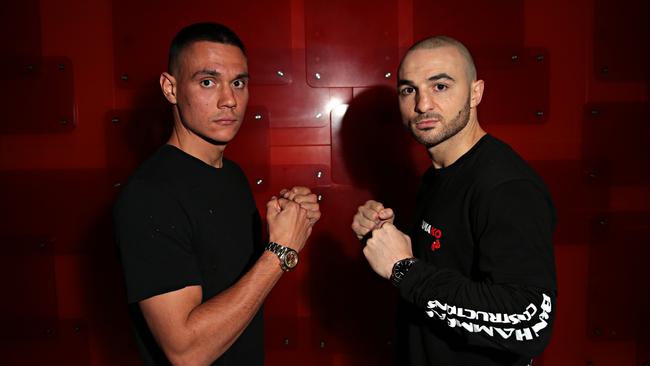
<point x="208" y="72"/>
<point x="436" y="77"/>
<point x="401" y="82"/>
<point x="215" y="73"/>
<point x="441" y="76"/>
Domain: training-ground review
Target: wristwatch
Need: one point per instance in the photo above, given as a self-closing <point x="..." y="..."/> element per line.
<point x="288" y="257"/>
<point x="400" y="269"/>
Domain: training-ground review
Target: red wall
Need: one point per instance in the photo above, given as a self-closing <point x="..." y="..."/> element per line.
<point x="567" y="85"/>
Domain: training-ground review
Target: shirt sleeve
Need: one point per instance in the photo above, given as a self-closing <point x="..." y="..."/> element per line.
<point x="510" y="304"/>
<point x="153" y="234"/>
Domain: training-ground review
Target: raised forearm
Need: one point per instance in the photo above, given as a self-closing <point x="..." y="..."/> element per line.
<point x="210" y="328"/>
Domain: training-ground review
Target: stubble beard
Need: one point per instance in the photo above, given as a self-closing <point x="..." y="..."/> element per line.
<point x="443" y="131"/>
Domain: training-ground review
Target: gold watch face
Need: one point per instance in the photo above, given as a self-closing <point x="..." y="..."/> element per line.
<point x="291" y="259"/>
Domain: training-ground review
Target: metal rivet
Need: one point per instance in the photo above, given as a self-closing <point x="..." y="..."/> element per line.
<point x="604" y="70"/>
<point x="319" y="197"/>
<point x="61" y="66"/>
<point x="595" y="112"/>
<point x="77" y="328"/>
<point x="42" y="245"/>
<point x="539" y="113"/>
<point x="29" y="67"/>
<point x="317" y="76"/>
<point x="285" y="341"/>
<point x="319" y="115"/>
<point x="258" y="116"/>
<point x="602" y="222"/>
<point x="387" y="75"/>
<point x="593" y="175"/>
<point x="540" y="58"/>
<point x="319" y="174"/>
<point x="514" y="57"/>
<point x="280" y="73"/>
<point x="125" y="77"/>
<point x="63" y="121"/>
<point x="211" y="211"/>
<point x="322" y="344"/>
<point x="259" y="182"/>
<point x="117" y="185"/>
<point x="115" y="120"/>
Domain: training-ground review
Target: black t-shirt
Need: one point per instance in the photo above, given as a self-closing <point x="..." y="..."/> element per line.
<point x="483" y="292"/>
<point x="180" y="222"/>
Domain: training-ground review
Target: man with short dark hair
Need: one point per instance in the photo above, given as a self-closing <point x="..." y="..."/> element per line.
<point x="476" y="274"/>
<point x="187" y="225"/>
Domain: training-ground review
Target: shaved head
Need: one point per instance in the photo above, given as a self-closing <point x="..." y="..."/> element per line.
<point x="444" y="41"/>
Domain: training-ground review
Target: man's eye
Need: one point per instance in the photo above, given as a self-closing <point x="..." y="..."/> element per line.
<point x="407" y="90"/>
<point x="441" y="87"/>
<point x="207" y="83"/>
<point x="239" y="84"/>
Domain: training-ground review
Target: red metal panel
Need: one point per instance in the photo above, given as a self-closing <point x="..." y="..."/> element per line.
<point x="516" y="85"/>
<point x="619" y="293"/>
<point x="471" y="22"/>
<point x="577" y="196"/>
<point x="344" y="50"/>
<point x="62" y="342"/>
<point x="250" y="148"/>
<point x="66" y="210"/>
<point x="20" y="28"/>
<point x="352" y="309"/>
<point x="141" y="50"/>
<point x="27" y="273"/>
<point x="621" y="38"/>
<point x="42" y="96"/>
<point x="295" y="104"/>
<point x="643" y="350"/>
<point x="614" y="142"/>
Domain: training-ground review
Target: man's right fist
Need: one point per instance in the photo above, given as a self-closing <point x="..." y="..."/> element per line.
<point x="370" y="216"/>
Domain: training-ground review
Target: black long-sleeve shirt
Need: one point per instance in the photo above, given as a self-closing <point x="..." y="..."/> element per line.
<point x="483" y="292"/>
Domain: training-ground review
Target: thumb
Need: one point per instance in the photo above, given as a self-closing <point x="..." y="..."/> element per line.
<point x="272" y="208"/>
<point x="386" y="214"/>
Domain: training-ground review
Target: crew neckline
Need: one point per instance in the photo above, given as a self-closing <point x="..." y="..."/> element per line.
<point x="194" y="159"/>
<point x="433" y="171"/>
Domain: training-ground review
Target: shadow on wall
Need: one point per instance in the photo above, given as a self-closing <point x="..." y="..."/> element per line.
<point x="353" y="306"/>
<point x="376" y="151"/>
<point x="132" y="136"/>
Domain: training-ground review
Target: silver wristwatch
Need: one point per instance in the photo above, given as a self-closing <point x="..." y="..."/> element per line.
<point x="288" y="257"/>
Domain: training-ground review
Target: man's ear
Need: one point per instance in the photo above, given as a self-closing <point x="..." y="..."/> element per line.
<point x="477" y="93"/>
<point x="168" y="87"/>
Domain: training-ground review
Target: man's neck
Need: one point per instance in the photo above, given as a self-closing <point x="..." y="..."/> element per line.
<point x="450" y="150"/>
<point x="197" y="147"/>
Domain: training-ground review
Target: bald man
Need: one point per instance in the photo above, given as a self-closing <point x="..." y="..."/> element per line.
<point x="476" y="272"/>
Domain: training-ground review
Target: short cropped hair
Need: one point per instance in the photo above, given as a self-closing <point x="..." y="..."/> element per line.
<point x="212" y="32"/>
<point x="445" y="41"/>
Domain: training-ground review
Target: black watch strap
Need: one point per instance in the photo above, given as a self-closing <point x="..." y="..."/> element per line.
<point x="400" y="269"/>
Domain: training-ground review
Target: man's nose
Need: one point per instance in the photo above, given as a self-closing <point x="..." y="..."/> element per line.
<point x="227" y="98"/>
<point x="424" y="102"/>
